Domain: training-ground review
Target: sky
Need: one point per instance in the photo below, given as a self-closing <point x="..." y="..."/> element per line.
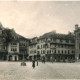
<point x="34" y="18"/>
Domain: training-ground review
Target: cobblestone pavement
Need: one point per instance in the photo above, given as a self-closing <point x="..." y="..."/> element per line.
<point x="14" y="71"/>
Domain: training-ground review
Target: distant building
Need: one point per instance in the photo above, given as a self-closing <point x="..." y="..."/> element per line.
<point x="77" y="43"/>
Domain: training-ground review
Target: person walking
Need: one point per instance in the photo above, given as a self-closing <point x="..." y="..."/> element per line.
<point x="37" y="62"/>
<point x="33" y="64"/>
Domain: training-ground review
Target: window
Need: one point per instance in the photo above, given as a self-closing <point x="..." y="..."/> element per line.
<point x="38" y="47"/>
<point x="61" y="40"/>
<point x="0" y="32"/>
<point x="62" y="51"/>
<point x="38" y="52"/>
<point x="4" y="47"/>
<point x="62" y="46"/>
<point x="11" y="49"/>
<point x="47" y="52"/>
<point x="65" y="51"/>
<point x="50" y="51"/>
<point x="72" y="51"/>
<point x="67" y="41"/>
<point x="0" y="46"/>
<point x="79" y="35"/>
<point x="41" y="46"/>
<point x="34" y="51"/>
<point x="58" y="51"/>
<point x="55" y="51"/>
<point x="44" y="46"/>
<point x="55" y="45"/>
<point x="68" y="52"/>
<point x="43" y="51"/>
<point x="79" y="45"/>
<point x="54" y="39"/>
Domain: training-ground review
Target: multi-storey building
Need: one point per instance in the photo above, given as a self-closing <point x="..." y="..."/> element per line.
<point x="59" y="47"/>
<point x="3" y="44"/>
<point x="13" y="51"/>
<point x="23" y="48"/>
<point x="77" y="43"/>
<point x="50" y="46"/>
<point x="33" y="49"/>
<point x="13" y="47"/>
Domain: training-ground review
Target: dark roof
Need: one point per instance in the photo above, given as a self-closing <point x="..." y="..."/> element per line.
<point x="22" y="38"/>
<point x="57" y="36"/>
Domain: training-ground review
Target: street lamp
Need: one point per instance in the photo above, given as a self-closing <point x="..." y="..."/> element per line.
<point x="37" y="59"/>
<point x="23" y="63"/>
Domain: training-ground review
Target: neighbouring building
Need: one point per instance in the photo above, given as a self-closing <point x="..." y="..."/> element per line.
<point x="13" y="47"/>
<point x="50" y="46"/>
<point x="59" y="47"/>
<point x="13" y="51"/>
<point x="77" y="43"/>
<point x="23" y="48"/>
<point x="3" y="44"/>
<point x="33" y="49"/>
<point x="55" y="46"/>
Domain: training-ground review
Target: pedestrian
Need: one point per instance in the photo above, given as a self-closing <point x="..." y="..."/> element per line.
<point x="44" y="60"/>
<point x="33" y="64"/>
<point x="37" y="62"/>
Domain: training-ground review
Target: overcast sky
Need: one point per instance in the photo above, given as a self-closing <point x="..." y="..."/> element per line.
<point x="32" y="19"/>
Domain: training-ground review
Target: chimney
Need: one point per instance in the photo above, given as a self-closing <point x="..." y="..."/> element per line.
<point x="76" y="27"/>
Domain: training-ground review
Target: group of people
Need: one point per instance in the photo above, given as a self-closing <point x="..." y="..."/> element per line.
<point x="33" y="63"/>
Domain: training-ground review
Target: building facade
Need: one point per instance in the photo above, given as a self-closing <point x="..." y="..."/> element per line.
<point x="51" y="46"/>
<point x="77" y="43"/>
<point x="3" y="44"/>
<point x="23" y="48"/>
<point x="33" y="49"/>
<point x="13" y="47"/>
<point x="56" y="47"/>
<point x="13" y="51"/>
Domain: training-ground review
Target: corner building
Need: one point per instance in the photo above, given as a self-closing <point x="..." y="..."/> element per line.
<point x="59" y="47"/>
<point x="56" y="47"/>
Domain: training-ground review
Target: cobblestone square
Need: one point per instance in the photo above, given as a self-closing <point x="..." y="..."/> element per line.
<point x="14" y="71"/>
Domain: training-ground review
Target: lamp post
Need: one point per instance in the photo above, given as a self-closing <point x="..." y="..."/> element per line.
<point x="23" y="63"/>
<point x="37" y="59"/>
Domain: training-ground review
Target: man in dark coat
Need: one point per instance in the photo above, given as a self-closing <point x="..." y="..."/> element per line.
<point x="33" y="64"/>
